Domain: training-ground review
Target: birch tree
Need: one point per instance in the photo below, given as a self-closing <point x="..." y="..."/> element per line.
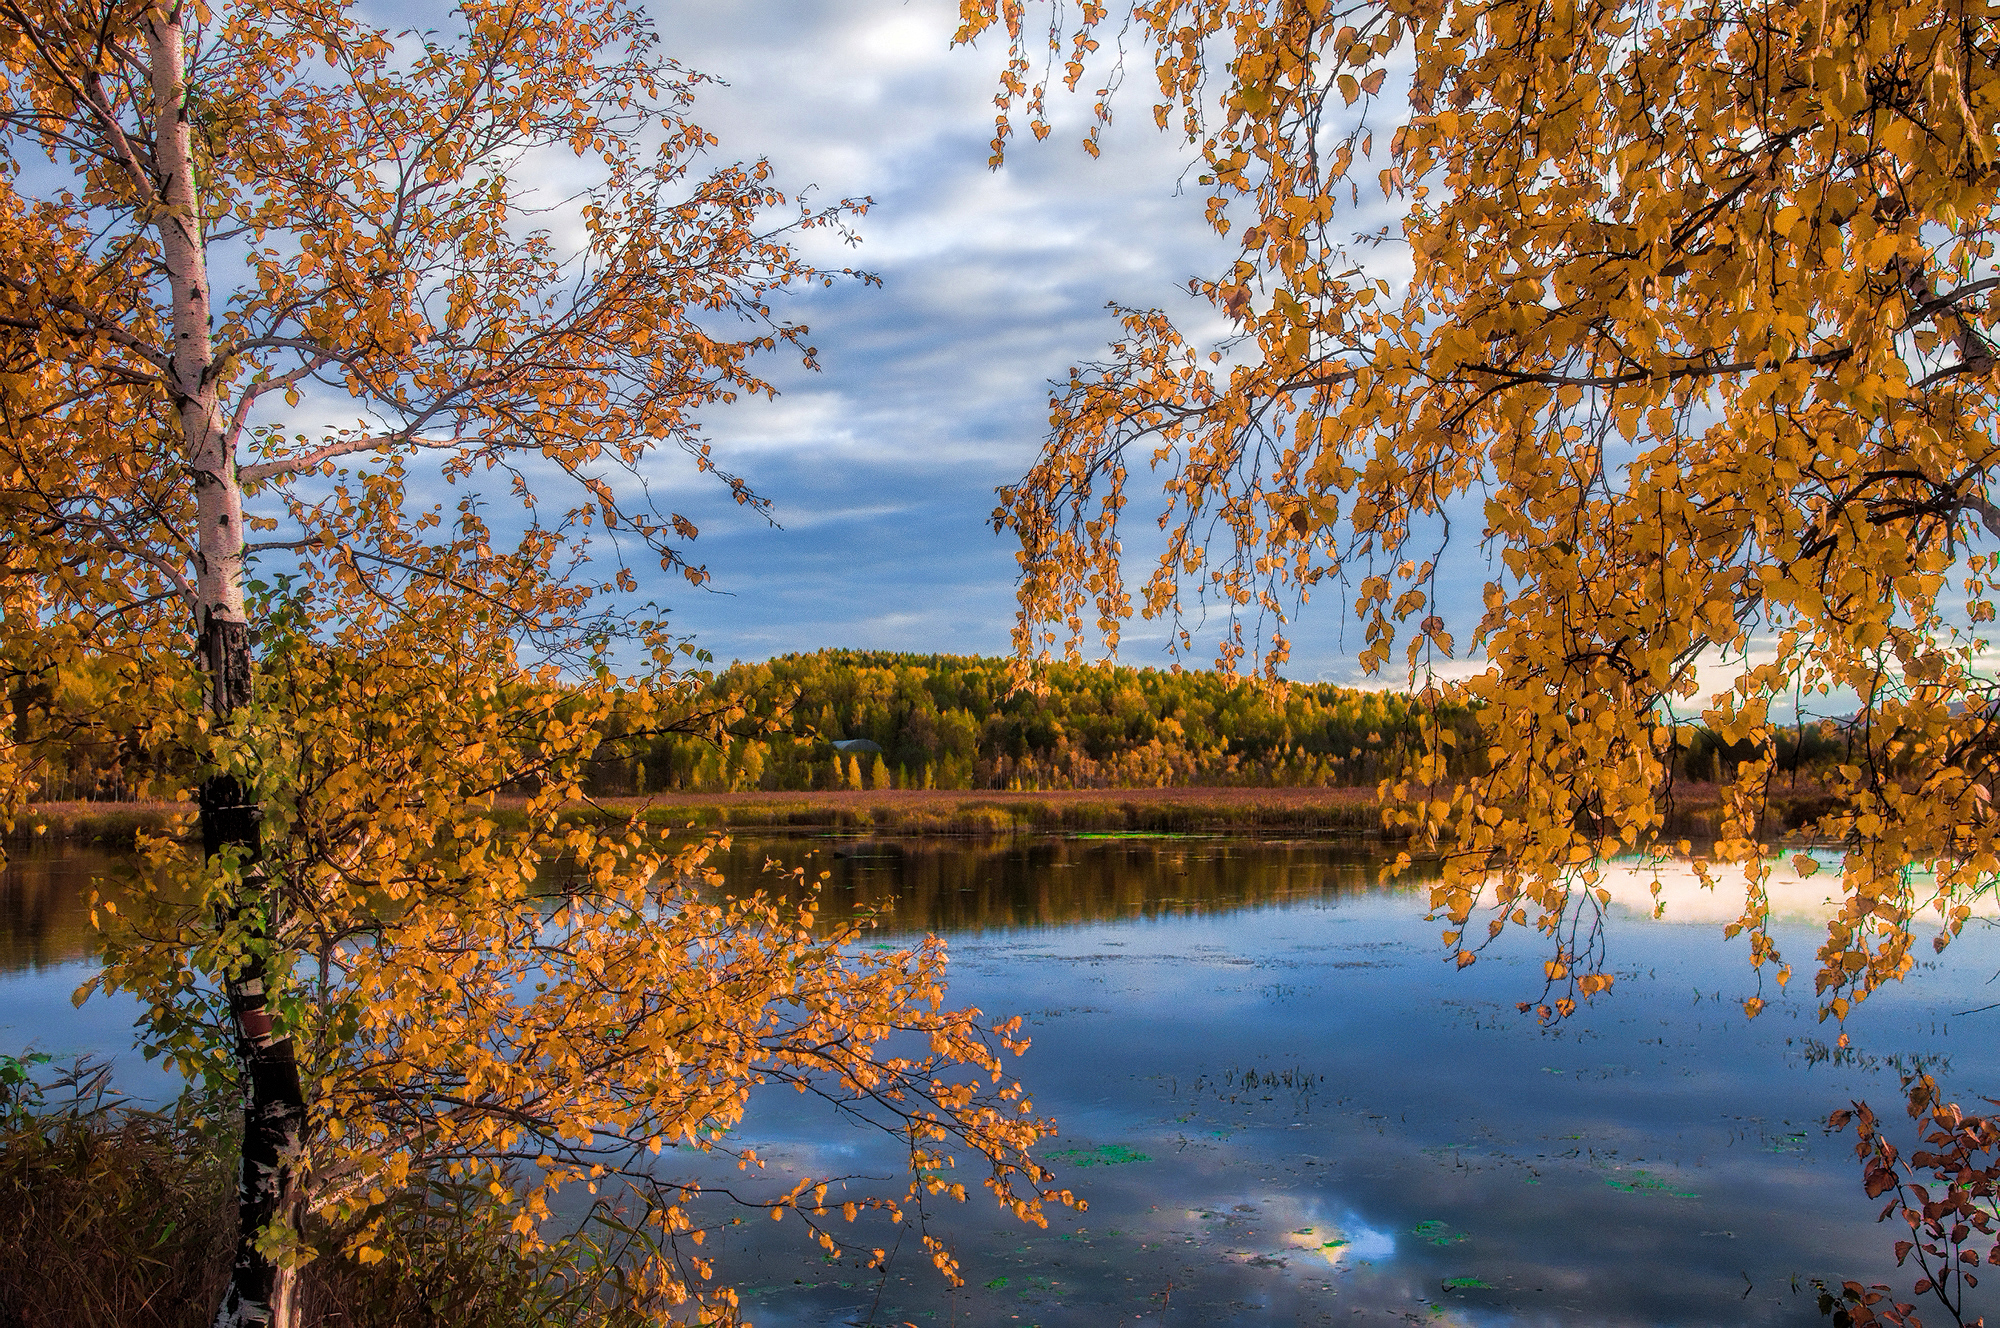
<point x="1697" y="334"/>
<point x="281" y="294"/>
<point x="1690" y="331"/>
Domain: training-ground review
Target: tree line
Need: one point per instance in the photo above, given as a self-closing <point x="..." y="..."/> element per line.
<point x="964" y="722"/>
<point x="942" y="722"/>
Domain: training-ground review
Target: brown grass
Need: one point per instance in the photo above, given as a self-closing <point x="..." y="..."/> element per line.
<point x="115" y="1218"/>
<point x="116" y="824"/>
<point x="897" y="811"/>
<point x="942" y="811"/>
<point x="122" y="1218"/>
<point x="1696" y="812"/>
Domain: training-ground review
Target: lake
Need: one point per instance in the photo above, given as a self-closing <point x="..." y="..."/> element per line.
<point x="1284" y="1107"/>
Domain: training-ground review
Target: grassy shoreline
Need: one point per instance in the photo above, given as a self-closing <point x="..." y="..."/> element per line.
<point x="116" y="824"/>
<point x="890" y="811"/>
<point x="1347" y="812"/>
<point x="996" y="812"/>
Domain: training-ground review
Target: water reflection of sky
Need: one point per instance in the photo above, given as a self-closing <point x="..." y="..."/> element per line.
<point x="1283" y="1107"/>
<point x="1657" y="1160"/>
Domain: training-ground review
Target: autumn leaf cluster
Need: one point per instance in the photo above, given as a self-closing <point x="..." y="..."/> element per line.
<point x="325" y="433"/>
<point x="1681" y="315"/>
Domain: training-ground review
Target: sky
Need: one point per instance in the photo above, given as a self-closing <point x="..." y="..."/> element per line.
<point x="934" y="386"/>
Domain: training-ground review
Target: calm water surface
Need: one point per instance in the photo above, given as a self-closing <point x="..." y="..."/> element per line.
<point x="1284" y="1108"/>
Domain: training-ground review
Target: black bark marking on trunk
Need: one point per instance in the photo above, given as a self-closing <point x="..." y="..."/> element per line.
<point x="225" y="649"/>
<point x="267" y="1066"/>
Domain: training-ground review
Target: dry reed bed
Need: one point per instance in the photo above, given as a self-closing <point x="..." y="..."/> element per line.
<point x="1695" y="812"/>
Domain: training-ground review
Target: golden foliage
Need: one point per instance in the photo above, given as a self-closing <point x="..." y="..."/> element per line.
<point x="538" y="1006"/>
<point x="1695" y="318"/>
<point x="222" y="226"/>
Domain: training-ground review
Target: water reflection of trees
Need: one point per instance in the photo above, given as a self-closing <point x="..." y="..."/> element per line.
<point x="956" y="886"/>
<point x="45" y="905"/>
<point x="941" y="885"/>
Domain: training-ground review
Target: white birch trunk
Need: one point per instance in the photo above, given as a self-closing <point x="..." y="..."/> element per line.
<point x="219" y="556"/>
<point x="260" y="1293"/>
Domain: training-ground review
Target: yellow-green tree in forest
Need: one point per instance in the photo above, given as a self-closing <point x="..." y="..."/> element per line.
<point x="1080" y="727"/>
<point x="277" y="296"/>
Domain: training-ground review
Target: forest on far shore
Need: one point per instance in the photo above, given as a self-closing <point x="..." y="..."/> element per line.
<point x="960" y="722"/>
<point x="945" y="722"/>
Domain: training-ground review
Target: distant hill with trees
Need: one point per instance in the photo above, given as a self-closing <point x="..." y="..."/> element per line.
<point x="942" y="722"/>
<point x="960" y="722"/>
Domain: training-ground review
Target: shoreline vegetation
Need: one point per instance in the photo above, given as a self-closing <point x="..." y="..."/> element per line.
<point x="126" y="1218"/>
<point x="880" y="722"/>
<point x="1343" y="812"/>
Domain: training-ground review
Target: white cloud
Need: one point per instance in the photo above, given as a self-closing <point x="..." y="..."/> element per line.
<point x="934" y="387"/>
